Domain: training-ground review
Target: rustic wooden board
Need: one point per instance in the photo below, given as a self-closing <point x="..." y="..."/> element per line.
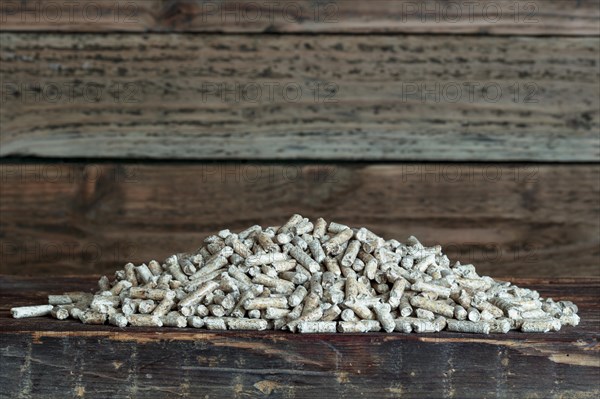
<point x="513" y="17"/>
<point x="496" y="17"/>
<point x="265" y="97"/>
<point x="46" y="358"/>
<point x="508" y="220"/>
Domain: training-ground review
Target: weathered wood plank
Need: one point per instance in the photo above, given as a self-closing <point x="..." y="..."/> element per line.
<point x="497" y="17"/>
<point x="508" y="220"/>
<point x="140" y="362"/>
<point x="297" y="97"/>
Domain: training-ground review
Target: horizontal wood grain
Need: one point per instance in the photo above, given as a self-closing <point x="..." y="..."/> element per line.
<point x="300" y="97"/>
<point x="496" y="17"/>
<point x="509" y="220"/>
<point x="47" y="358"/>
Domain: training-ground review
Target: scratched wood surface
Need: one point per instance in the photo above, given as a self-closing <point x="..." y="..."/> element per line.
<point x="496" y="17"/>
<point x="46" y="358"/>
<point x="522" y="220"/>
<point x="282" y="97"/>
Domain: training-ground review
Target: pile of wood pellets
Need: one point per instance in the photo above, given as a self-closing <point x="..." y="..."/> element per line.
<point x="310" y="278"/>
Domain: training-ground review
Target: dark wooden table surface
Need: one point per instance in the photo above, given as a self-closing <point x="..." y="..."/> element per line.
<point x="46" y="358"/>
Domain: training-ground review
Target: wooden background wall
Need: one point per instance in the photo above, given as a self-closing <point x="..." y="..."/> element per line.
<point x="131" y="129"/>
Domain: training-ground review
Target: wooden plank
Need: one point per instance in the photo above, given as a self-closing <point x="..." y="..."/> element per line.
<point x="166" y="362"/>
<point x="508" y="220"/>
<point x="496" y="17"/>
<point x="297" y="97"/>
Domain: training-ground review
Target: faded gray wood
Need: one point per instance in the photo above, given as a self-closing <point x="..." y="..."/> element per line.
<point x="508" y="220"/>
<point x="300" y="97"/>
<point x="495" y="17"/>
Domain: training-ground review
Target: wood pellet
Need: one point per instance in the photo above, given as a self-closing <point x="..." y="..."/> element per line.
<point x="310" y="277"/>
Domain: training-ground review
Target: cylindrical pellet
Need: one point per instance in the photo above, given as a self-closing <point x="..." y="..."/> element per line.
<point x="195" y="321"/>
<point x="385" y="318"/>
<point x="165" y="305"/>
<point x="146" y="306"/>
<point x="465" y="326"/>
<point x="60" y="299"/>
<point x="501" y="326"/>
<point x="332" y="313"/>
<point x="174" y="319"/>
<point x="31" y="311"/>
<point x="305" y="260"/>
<point x="118" y="319"/>
<point x="460" y="313"/>
<point x="144" y="320"/>
<point x="435" y="306"/>
<point x="404" y="326"/>
<point x="215" y="323"/>
<point x="264" y="303"/>
<point x="540" y="325"/>
<point x="265" y="259"/>
<point x="317" y="327"/>
<point x="91" y="317"/>
<point x="351" y="253"/>
<point x="60" y="312"/>
<point x="246" y="324"/>
<point x="334" y="245"/>
<point x="196" y="296"/>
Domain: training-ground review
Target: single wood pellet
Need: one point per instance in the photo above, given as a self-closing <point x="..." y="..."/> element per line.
<point x="310" y="277"/>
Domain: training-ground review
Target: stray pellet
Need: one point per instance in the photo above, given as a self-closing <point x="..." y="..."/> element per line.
<point x="31" y="311"/>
